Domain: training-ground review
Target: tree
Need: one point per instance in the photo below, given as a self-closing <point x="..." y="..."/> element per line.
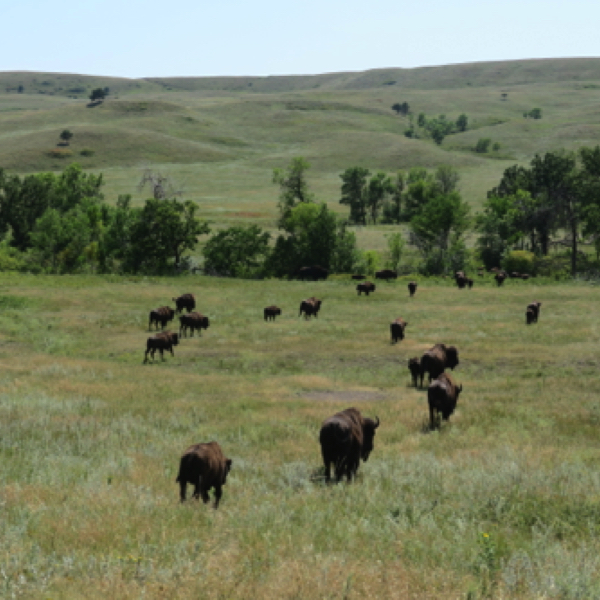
<point x="97" y="94"/>
<point x="237" y="251"/>
<point x="446" y="178"/>
<point x="483" y="145"/>
<point x="163" y="230"/>
<point x="395" y="243"/>
<point x="161" y="186"/>
<point x="462" y="122"/>
<point x="392" y="208"/>
<point x="378" y="189"/>
<point x="397" y="107"/>
<point x="420" y="188"/>
<point x="293" y="187"/>
<point x="421" y="120"/>
<point x="65" y="136"/>
<point x="355" y="193"/>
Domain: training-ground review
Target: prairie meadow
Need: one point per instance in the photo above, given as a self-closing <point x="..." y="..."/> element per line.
<point x="501" y="502"/>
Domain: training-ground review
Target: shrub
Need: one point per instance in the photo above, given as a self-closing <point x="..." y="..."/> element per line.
<point x="520" y="261"/>
<point x="87" y="152"/>
<point x="483" y="145"/>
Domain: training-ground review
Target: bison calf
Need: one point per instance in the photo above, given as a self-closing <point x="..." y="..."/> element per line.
<point x="271" y="312"/>
<point x="442" y="396"/>
<point x="345" y="438"/>
<point x="397" y="328"/>
<point x="533" y="312"/>
<point x="412" y="288"/>
<point x="204" y="466"/>
<point x="414" y="366"/>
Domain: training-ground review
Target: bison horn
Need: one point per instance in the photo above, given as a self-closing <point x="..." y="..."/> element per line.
<point x="377" y="424"/>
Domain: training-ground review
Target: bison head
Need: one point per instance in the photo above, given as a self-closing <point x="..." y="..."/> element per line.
<point x="175" y="339"/>
<point x="452" y="357"/>
<point x="228" y="463"/>
<point x="369" y="427"/>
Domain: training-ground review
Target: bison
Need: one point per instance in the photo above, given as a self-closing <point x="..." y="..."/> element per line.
<point x="358" y="277"/>
<point x="461" y="280"/>
<point x="161" y="315"/>
<point x="367" y="287"/>
<point x="412" y="288"/>
<point x="271" y="312"/>
<point x="525" y="276"/>
<point x="161" y="341"/>
<point x="315" y="272"/>
<point x="204" y="466"/>
<point x="469" y="283"/>
<point x="533" y="312"/>
<point x="345" y="438"/>
<point x="386" y="274"/>
<point x="500" y="277"/>
<point x="397" y="328"/>
<point x="186" y="301"/>
<point x="442" y="396"/>
<point x="414" y="366"/>
<point x="436" y="359"/>
<point x="193" y="321"/>
<point x="310" y="306"/>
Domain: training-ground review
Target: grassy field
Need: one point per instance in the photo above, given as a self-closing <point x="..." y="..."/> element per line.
<point x="220" y="138"/>
<point x="503" y="502"/>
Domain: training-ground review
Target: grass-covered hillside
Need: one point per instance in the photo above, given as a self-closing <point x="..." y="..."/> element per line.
<point x="222" y="137"/>
<point x="502" y="502"/>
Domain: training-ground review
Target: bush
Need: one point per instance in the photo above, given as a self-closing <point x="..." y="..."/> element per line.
<point x="483" y="145"/>
<point x="60" y="153"/>
<point x="520" y="261"/>
<point x="87" y="152"/>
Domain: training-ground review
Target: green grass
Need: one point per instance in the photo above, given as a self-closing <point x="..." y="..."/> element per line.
<point x="92" y="437"/>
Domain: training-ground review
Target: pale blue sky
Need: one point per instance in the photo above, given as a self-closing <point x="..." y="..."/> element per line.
<point x="135" y="38"/>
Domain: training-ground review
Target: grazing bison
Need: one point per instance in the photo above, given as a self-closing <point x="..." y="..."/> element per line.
<point x="500" y="277"/>
<point x="165" y="340"/>
<point x="386" y="274"/>
<point x="397" y="329"/>
<point x="358" y="277"/>
<point x="204" y="466"/>
<point x="533" y="312"/>
<point x="367" y="287"/>
<point x="186" y="301"/>
<point x="525" y="276"/>
<point x="437" y="359"/>
<point x="442" y="396"/>
<point x="414" y="366"/>
<point x="310" y="306"/>
<point x="161" y="315"/>
<point x="345" y="438"/>
<point x="412" y="288"/>
<point x="469" y="283"/>
<point x="315" y="272"/>
<point x="461" y="280"/>
<point x="271" y="312"/>
<point x="193" y="321"/>
<point x="515" y="275"/>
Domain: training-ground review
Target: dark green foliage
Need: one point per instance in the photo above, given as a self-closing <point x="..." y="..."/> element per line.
<point x="97" y="94"/>
<point x="354" y="193"/>
<point x="483" y="145"/>
<point x="237" y="251"/>
<point x="293" y="187"/>
<point x="462" y="122"/>
<point x="66" y="135"/>
<point x="534" y="113"/>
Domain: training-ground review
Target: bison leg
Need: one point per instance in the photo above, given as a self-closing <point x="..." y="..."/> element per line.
<point x="204" y="494"/>
<point x="146" y="356"/>
<point x="182" y="489"/>
<point x="218" y="494"/>
<point x="432" y="418"/>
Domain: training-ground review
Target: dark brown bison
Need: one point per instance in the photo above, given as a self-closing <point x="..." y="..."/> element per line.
<point x="414" y="366"/>
<point x="367" y="287"/>
<point x="204" y="466"/>
<point x="315" y="272"/>
<point x="469" y="282"/>
<point x="186" y="301"/>
<point x="525" y="276"/>
<point x="165" y="340"/>
<point x="500" y="277"/>
<point x="310" y="306"/>
<point x="461" y="280"/>
<point x="386" y="274"/>
<point x="161" y="316"/>
<point x="358" y="277"/>
<point x="193" y="321"/>
<point x="397" y="328"/>
<point x="533" y="312"/>
<point x="271" y="312"/>
<point x="515" y="275"/>
<point x="437" y="359"/>
<point x="412" y="288"/>
<point x="442" y="396"/>
<point x="345" y="438"/>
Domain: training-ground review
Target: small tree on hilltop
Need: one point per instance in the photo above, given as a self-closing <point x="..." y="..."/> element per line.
<point x="65" y="136"/>
<point x="97" y="94"/>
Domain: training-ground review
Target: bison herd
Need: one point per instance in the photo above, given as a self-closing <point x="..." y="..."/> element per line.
<point x="346" y="437"/>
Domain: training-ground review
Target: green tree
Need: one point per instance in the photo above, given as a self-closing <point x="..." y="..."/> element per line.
<point x="161" y="233"/>
<point x="97" y="94"/>
<point x="446" y="178"/>
<point x="392" y="208"/>
<point x="237" y="251"/>
<point x="293" y="187"/>
<point x="482" y="145"/>
<point x="420" y="188"/>
<point x="380" y="186"/>
<point x="462" y="122"/>
<point x="421" y="120"/>
<point x="66" y="135"/>
<point x="395" y="244"/>
<point x="355" y="193"/>
<point x="397" y="107"/>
